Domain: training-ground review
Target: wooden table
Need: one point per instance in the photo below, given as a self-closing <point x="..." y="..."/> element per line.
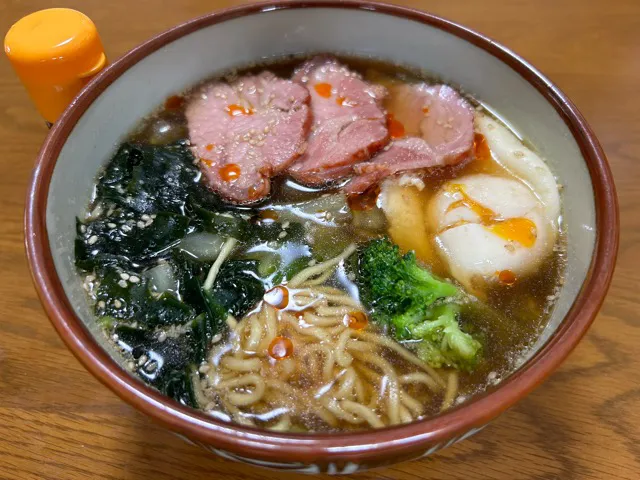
<point x="58" y="422"/>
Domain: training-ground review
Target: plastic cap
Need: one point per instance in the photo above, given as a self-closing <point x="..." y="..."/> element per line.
<point x="55" y="52"/>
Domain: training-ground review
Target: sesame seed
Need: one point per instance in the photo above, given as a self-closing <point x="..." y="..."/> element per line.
<point x="153" y="216"/>
<point x="216" y="338"/>
<point x="101" y="304"/>
<point x="152" y="367"/>
<point x="115" y="337"/>
<point x="124" y="276"/>
<point x="204" y="368"/>
<point x="111" y="225"/>
<point x="134" y="279"/>
<point x="162" y="337"/>
<point x="145" y="217"/>
<point x="117" y="303"/>
<point x="83" y="229"/>
<point x="96" y="212"/>
<point x="142" y="360"/>
<point x="131" y="366"/>
<point x="93" y="239"/>
<point x="282" y="234"/>
<point x="125" y="228"/>
<point x="140" y="224"/>
<point x="122" y="283"/>
<point x="460" y="399"/>
<point x="286" y="224"/>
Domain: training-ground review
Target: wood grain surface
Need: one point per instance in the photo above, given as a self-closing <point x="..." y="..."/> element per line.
<point x="57" y="422"/>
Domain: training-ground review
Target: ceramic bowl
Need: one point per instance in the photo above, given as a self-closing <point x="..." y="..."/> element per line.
<point x="85" y="136"/>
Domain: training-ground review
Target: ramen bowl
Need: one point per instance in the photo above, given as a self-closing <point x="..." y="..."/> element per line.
<point x="109" y="107"/>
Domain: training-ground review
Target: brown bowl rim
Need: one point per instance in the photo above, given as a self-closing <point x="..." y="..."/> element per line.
<point x="359" y="446"/>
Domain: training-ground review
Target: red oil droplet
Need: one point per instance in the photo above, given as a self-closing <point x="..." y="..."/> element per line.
<point x="268" y="216"/>
<point x="234" y="110"/>
<point x="209" y="147"/>
<point x="323" y="89"/>
<point x="207" y="162"/>
<point x="425" y="110"/>
<point x="277" y="297"/>
<point x="280" y="348"/>
<point x="356" y="320"/>
<point x="364" y="201"/>
<point x="396" y="129"/>
<point x="230" y="172"/>
<point x="174" y="102"/>
<point x="506" y="277"/>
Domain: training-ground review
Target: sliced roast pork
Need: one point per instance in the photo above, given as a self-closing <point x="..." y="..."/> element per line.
<point x="443" y="123"/>
<point x="349" y="125"/>
<point x="248" y="131"/>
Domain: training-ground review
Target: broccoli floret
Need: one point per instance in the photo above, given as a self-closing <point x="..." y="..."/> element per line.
<point x="407" y="297"/>
<point x="443" y="343"/>
<point x="392" y="284"/>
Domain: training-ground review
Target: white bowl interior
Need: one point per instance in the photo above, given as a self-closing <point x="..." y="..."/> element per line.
<point x="240" y="41"/>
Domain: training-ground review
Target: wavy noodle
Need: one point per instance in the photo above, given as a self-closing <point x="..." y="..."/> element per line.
<point x="241" y="364"/>
<point x="451" y="391"/>
<point x="283" y="425"/>
<point x="319" y="279"/>
<point x="363" y="412"/>
<point x="321" y="268"/>
<point x="404" y="353"/>
<point x="337" y="377"/>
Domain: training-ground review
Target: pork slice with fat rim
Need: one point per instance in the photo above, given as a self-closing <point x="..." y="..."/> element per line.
<point x="443" y="123"/>
<point x="245" y="132"/>
<point x="348" y="126"/>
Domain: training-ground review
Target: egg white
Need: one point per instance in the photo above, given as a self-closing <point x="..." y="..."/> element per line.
<point x="473" y="252"/>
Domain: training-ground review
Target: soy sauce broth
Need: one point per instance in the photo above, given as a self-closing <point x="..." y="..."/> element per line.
<point x="511" y="316"/>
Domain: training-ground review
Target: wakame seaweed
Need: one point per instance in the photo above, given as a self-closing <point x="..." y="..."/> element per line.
<point x="166" y="364"/>
<point x="147" y="199"/>
<point x="148" y="179"/>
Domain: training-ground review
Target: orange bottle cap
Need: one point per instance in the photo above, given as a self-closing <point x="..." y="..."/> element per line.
<point x="55" y="52"/>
